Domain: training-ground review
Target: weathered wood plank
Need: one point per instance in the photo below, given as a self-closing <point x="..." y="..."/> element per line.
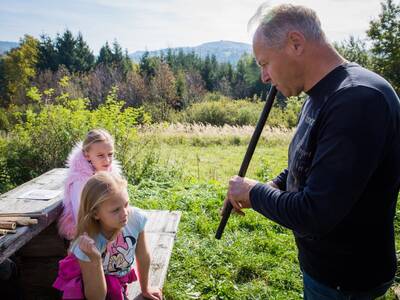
<point x="162" y="221"/>
<point x="47" y="211"/>
<point x="52" y="180"/>
<point x="161" y="231"/>
<point x="10" y="243"/>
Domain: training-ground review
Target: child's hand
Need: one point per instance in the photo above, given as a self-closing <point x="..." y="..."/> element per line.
<point x="152" y="293"/>
<point x="88" y="247"/>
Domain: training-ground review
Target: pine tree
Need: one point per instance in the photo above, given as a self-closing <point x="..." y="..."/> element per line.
<point x="385" y="36"/>
<point x="148" y="65"/>
<point x="84" y="58"/>
<point x="47" y="56"/>
<point x="65" y="46"/>
<point x="105" y="55"/>
<point x="117" y="54"/>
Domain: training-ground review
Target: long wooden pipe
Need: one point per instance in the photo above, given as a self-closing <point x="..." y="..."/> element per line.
<point x="249" y="153"/>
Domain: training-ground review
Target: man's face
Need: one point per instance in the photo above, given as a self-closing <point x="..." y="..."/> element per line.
<point x="280" y="66"/>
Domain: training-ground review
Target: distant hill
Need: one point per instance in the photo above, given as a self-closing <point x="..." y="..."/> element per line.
<point x="224" y="51"/>
<point x="5" y="46"/>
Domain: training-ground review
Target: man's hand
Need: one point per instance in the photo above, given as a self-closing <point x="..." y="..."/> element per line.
<point x="239" y="193"/>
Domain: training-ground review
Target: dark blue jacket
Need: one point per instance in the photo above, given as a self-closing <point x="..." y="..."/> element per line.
<point x="339" y="192"/>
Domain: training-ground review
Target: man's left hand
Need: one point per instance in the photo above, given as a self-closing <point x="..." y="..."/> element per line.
<point x="239" y="193"/>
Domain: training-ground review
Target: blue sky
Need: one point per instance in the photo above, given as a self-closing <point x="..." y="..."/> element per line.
<point x="155" y="24"/>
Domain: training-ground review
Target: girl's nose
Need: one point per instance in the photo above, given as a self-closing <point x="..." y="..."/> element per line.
<point x="125" y="212"/>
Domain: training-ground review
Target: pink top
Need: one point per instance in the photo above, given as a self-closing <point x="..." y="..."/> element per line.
<point x="79" y="171"/>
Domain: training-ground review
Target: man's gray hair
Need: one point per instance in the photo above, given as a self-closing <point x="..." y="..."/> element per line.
<point x="278" y="21"/>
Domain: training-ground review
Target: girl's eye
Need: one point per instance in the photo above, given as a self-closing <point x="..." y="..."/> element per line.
<point x="100" y="155"/>
<point x="110" y="154"/>
<point x="116" y="210"/>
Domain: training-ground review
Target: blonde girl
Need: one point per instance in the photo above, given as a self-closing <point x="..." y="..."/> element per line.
<point x="110" y="234"/>
<point x="94" y="154"/>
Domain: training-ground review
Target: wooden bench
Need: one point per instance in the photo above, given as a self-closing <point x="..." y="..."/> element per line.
<point x="36" y="249"/>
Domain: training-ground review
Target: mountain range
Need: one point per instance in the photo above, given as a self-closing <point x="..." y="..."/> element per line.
<point x="224" y="51"/>
<point x="5" y="46"/>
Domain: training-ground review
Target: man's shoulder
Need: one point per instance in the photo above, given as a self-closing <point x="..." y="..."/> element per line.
<point x="359" y="78"/>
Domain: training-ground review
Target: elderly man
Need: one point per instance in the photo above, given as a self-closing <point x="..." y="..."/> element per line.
<point x="339" y="192"/>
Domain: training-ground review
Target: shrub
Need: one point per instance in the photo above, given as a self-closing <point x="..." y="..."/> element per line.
<point x="43" y="139"/>
<point x="219" y="110"/>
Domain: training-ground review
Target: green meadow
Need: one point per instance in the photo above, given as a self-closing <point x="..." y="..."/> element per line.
<point x="256" y="258"/>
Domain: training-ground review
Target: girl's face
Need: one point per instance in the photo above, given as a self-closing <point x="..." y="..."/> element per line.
<point x="113" y="213"/>
<point x="100" y="155"/>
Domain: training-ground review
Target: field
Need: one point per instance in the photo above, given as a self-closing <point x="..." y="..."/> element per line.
<point x="255" y="259"/>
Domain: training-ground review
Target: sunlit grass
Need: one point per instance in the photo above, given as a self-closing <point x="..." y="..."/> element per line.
<point x="256" y="258"/>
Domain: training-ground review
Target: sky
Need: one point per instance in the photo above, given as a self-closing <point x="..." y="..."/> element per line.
<point x="156" y="24"/>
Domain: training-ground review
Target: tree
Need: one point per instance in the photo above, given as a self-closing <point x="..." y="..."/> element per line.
<point x="117" y="54"/>
<point x="355" y="50"/>
<point x="105" y="55"/>
<point x="115" y="58"/>
<point x="134" y="90"/>
<point x="163" y="90"/>
<point x="238" y="81"/>
<point x="209" y="72"/>
<point x="74" y="54"/>
<point x="181" y="90"/>
<point x="47" y="56"/>
<point x="65" y="46"/>
<point x="19" y="67"/>
<point x="148" y="65"/>
<point x="84" y="58"/>
<point x="384" y="33"/>
<point x="195" y="86"/>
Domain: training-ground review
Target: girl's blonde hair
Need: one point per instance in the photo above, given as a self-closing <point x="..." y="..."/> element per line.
<point x="96" y="136"/>
<point x="98" y="189"/>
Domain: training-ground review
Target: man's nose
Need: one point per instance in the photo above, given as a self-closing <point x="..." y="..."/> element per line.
<point x="265" y="78"/>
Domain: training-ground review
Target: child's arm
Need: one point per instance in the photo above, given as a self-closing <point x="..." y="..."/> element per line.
<point x="143" y="265"/>
<point x="94" y="282"/>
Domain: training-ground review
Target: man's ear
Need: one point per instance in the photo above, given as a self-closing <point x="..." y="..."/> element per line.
<point x="296" y="42"/>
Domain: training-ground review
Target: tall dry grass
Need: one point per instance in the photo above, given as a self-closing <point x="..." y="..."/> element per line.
<point x="201" y="134"/>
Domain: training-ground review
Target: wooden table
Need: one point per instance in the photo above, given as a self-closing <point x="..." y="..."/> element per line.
<point x="47" y="211"/>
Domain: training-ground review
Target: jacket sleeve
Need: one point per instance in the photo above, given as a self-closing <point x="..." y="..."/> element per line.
<point x="349" y="147"/>
<point x="76" y="190"/>
<point x="280" y="180"/>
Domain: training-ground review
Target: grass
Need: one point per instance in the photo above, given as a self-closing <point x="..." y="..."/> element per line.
<point x="256" y="258"/>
